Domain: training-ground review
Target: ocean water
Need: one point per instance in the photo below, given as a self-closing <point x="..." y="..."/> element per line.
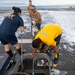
<point x="43" y="4"/>
<point x="6" y="6"/>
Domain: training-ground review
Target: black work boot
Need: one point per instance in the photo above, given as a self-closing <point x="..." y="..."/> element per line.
<point x="19" y="51"/>
<point x="10" y="53"/>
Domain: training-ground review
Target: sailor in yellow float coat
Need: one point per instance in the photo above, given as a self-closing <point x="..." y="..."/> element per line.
<point x="50" y="35"/>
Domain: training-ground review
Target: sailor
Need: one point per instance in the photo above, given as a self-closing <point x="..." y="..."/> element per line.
<point x="35" y="17"/>
<point x="28" y="7"/>
<point x="50" y="35"/>
<point x="8" y="28"/>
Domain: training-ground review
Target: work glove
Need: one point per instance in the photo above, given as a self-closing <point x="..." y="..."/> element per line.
<point x="38" y="51"/>
<point x="33" y="56"/>
<point x="22" y="33"/>
<point x="33" y="22"/>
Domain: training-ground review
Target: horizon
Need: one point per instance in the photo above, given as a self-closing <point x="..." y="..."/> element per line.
<point x="10" y="3"/>
<point x="38" y="7"/>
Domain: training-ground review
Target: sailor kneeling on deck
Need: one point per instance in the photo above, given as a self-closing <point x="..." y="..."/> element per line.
<point x="50" y="35"/>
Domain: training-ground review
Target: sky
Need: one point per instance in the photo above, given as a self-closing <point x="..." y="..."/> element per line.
<point x="54" y="2"/>
<point x="36" y="2"/>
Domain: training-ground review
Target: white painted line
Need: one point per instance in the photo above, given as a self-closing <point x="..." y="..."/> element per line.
<point x="25" y="40"/>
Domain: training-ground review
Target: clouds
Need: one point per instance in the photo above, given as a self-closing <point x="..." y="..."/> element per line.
<point x="36" y="2"/>
<point x="53" y="2"/>
<point x="13" y="1"/>
<point x="10" y="3"/>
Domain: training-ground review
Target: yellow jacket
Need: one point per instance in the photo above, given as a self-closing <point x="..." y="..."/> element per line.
<point x="49" y="33"/>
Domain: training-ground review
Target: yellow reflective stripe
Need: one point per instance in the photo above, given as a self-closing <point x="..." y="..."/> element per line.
<point x="44" y="33"/>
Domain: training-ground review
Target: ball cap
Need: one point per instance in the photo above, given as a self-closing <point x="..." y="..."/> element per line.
<point x="32" y="7"/>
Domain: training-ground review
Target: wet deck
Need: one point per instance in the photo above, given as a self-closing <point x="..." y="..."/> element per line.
<point x="66" y="60"/>
<point x="67" y="51"/>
